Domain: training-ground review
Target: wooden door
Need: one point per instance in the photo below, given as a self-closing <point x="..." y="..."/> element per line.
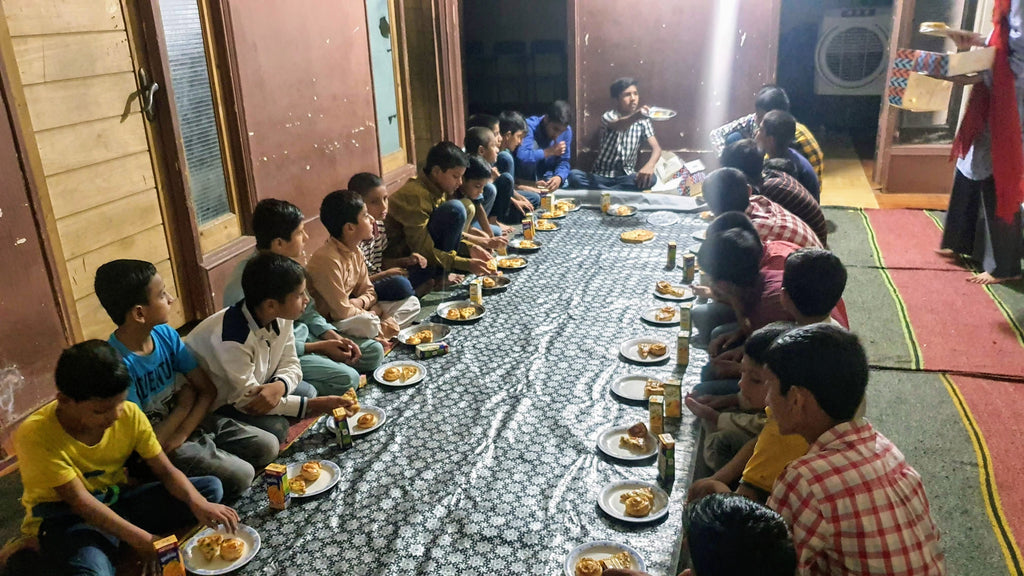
<point x="33" y="333"/>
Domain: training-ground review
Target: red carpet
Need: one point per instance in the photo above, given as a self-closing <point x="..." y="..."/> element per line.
<point x="995" y="409"/>
<point x="908" y="239"/>
<point x="954" y="325"/>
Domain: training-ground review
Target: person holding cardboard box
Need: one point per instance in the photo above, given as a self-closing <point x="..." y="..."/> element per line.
<point x="987" y="187"/>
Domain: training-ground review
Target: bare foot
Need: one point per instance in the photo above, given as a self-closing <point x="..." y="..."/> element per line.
<point x="986" y="278"/>
<point x="945" y="252"/>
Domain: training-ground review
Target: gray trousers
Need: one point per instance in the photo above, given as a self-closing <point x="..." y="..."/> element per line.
<point x="228" y="449"/>
<point x="276" y="425"/>
<point x="972" y="227"/>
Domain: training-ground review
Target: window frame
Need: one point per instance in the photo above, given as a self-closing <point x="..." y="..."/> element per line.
<point x="400" y="165"/>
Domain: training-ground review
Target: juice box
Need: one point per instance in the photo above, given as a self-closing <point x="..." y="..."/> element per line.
<point x="673" y="398"/>
<point x="685" y="324"/>
<point x="528" y="228"/>
<point x="168" y="556"/>
<point x="476" y="291"/>
<point x="606" y="202"/>
<point x="671" y="256"/>
<point x="547" y="202"/>
<point x="278" y="492"/>
<point x="666" y="459"/>
<point x="683" y="349"/>
<point x="689" y="268"/>
<point x="341" y="432"/>
<point x="424" y="351"/>
<point x="656" y="407"/>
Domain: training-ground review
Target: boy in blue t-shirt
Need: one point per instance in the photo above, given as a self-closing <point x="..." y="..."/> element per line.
<point x="196" y="440"/>
<point x="775" y="136"/>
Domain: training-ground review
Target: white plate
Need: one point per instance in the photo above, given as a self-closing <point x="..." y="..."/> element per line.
<point x="700" y="235"/>
<point x="440" y="332"/>
<point x="689" y="294"/>
<point x="511" y="268"/>
<point x="556" y="227"/>
<point x="608" y="500"/>
<point x="614" y="207"/>
<point x="378" y="374"/>
<point x="518" y="245"/>
<point x="608" y="442"/>
<point x="628" y="350"/>
<point x="940" y="32"/>
<point x="631" y="387"/>
<point x="329" y="476"/>
<point x="542" y="215"/>
<point x="443" y="308"/>
<point x="658" y="113"/>
<point x="353" y="420"/>
<point x="197" y="563"/>
<point x="599" y="550"/>
<point x="663" y="218"/>
<point x="649" y="316"/>
<point x="500" y="283"/>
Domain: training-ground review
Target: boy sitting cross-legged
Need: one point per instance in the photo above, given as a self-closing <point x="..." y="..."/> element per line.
<point x="390" y="276"/>
<point x="72" y="453"/>
<point x="425" y="219"/>
<point x="340" y="283"/>
<point x="196" y="441"/>
<point x="248" y="349"/>
<point x="855" y="505"/>
<point x="482" y="143"/>
<point x="330" y="362"/>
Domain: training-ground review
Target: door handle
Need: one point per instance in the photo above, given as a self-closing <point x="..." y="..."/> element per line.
<point x="147" y="91"/>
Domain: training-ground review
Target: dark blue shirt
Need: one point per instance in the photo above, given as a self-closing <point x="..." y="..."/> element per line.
<point x="805" y="173"/>
<point x="531" y="164"/>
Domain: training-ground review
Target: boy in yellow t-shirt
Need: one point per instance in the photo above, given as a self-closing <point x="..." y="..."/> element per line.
<point x="72" y="453"/>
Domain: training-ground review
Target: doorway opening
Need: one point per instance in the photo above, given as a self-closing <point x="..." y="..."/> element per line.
<point x="515" y="55"/>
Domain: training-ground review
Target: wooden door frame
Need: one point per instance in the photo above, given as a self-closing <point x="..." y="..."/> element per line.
<point x="395" y="178"/>
<point x="448" y="48"/>
<point x="16" y="110"/>
<point x="146" y="32"/>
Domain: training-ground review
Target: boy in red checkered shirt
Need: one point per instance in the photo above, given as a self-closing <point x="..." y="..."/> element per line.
<point x="855" y="505"/>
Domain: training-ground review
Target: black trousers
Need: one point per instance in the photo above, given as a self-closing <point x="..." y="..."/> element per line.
<point x="973" y="228"/>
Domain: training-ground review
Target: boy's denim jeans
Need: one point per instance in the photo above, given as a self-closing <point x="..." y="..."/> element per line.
<point x="83" y="549"/>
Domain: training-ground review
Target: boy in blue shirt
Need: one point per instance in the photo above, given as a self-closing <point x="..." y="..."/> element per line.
<point x="196" y="441"/>
<point x="542" y="160"/>
<point x="775" y="136"/>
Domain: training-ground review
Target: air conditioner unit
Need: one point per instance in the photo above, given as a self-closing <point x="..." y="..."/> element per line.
<point x="852" y="54"/>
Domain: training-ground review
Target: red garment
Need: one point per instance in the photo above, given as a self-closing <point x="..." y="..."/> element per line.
<point x="996" y="107"/>
<point x="767" y="308"/>
<point x="857" y="508"/>
<point x="774" y="255"/>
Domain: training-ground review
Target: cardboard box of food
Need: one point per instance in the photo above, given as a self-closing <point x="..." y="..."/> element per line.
<point x="918" y="93"/>
<point x="944" y="65"/>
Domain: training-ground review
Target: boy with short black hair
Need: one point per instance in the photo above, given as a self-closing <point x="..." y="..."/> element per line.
<point x="249" y="349"/>
<point x="775" y="185"/>
<point x="623" y="130"/>
<point x="71" y="454"/>
<point x="389" y="276"/>
<point x="425" y="219"/>
<point x="727" y="190"/>
<point x="775" y="136"/>
<point x="812" y="285"/>
<point x="339" y="280"/>
<point x="179" y="409"/>
<point x="330" y="362"/>
<point x="542" y="159"/>
<point x="482" y="143"/>
<point x="855" y="505"/>
<point x="769" y="97"/>
<point x="525" y="198"/>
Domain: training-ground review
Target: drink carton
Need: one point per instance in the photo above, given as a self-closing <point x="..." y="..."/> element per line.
<point x="673" y="398"/>
<point x="342" y="434"/>
<point x="656" y="408"/>
<point x="168" y="556"/>
<point x="666" y="459"/>
<point x="278" y="492"/>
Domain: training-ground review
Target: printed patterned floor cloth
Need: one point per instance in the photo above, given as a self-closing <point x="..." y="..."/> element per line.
<point x="490" y="463"/>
